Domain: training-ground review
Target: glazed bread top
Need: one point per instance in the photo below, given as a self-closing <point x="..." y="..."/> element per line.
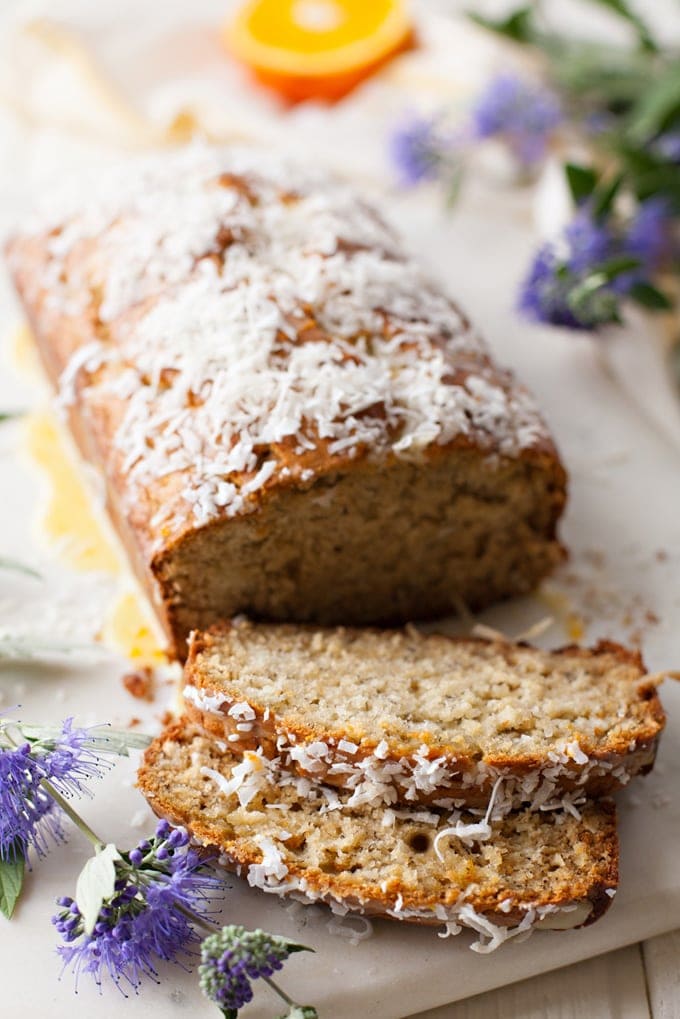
<point x="230" y="325"/>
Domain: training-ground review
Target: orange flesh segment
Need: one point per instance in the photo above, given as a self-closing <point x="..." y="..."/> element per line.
<point x="317" y="48"/>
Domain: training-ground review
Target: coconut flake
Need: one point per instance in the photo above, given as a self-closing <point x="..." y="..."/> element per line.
<point x="247" y="778"/>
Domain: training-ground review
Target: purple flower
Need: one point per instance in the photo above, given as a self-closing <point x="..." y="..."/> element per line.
<point x="544" y="295"/>
<point x="563" y="287"/>
<point x="576" y="282"/>
<point x="649" y="234"/>
<point x="70" y="759"/>
<point x="161" y="890"/>
<point x="588" y="241"/>
<point x="419" y="150"/>
<point x="521" y="113"/>
<point x="234" y="956"/>
<point x="27" y="812"/>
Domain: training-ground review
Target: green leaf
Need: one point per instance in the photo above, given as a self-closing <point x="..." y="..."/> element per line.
<point x="644" y="35"/>
<point x="657" y="107"/>
<point x="105" y="740"/>
<point x="11" y="882"/>
<point x="616" y="266"/>
<point x="582" y="181"/>
<point x="453" y="186"/>
<point x="663" y="182"/>
<point x="649" y="296"/>
<point x="27" y="646"/>
<point x="604" y="195"/>
<point x="95" y="884"/>
<point x="9" y="415"/>
<point x="517" y="25"/>
<point x="19" y="567"/>
<point x="592" y="303"/>
<point x="647" y="173"/>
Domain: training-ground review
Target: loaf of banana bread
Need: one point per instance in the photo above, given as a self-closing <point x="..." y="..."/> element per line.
<point x="292" y="420"/>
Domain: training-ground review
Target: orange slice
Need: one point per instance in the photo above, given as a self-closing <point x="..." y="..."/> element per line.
<point x="317" y="48"/>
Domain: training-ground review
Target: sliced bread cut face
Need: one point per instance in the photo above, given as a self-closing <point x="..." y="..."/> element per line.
<point x="422" y="717"/>
<point x="288" y="835"/>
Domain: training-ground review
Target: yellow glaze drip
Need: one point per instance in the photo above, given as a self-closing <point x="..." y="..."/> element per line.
<point x="74" y="529"/>
<point x="23" y="352"/>
<point x="68" y="519"/>
<point x="561" y="607"/>
<point x="71" y="526"/>
<point x="575" y="628"/>
<point x="130" y="630"/>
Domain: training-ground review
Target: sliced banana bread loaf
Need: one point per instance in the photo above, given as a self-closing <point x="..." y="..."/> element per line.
<point x="418" y="718"/>
<point x="291" y="419"/>
<point x="291" y="836"/>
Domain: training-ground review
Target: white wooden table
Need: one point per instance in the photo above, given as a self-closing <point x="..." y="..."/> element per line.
<point x="638" y="982"/>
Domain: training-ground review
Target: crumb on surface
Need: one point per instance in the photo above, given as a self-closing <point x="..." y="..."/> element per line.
<point x="140" y="683"/>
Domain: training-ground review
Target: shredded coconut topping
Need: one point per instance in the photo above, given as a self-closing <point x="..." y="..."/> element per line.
<point x="248" y="309"/>
<point x="375" y="778"/>
<point x="470" y="833"/>
<point x="247" y="778"/>
<point x="271" y="869"/>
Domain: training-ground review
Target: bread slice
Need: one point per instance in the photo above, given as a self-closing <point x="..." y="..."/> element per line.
<point x="290" y="836"/>
<point x="291" y="419"/>
<point x="418" y="718"/>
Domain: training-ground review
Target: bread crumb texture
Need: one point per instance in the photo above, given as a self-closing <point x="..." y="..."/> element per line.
<point x="288" y="835"/>
<point x="429" y="714"/>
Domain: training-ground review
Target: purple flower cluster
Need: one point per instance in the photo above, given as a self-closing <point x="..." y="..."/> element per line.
<point x="419" y="150"/>
<point x="571" y="282"/>
<point x="161" y="890"/>
<point x="27" y="813"/>
<point x="521" y="113"/>
<point x="649" y="234"/>
<point x="234" y="956"/>
<point x="27" y="816"/>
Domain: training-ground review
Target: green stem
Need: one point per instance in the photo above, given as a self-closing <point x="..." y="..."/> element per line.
<point x="196" y="919"/>
<point x="70" y="812"/>
<point x="275" y="987"/>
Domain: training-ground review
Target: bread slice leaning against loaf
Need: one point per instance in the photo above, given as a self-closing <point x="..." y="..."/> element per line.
<point x="276" y="394"/>
<point x="405" y="717"/>
<point x="289" y="836"/>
